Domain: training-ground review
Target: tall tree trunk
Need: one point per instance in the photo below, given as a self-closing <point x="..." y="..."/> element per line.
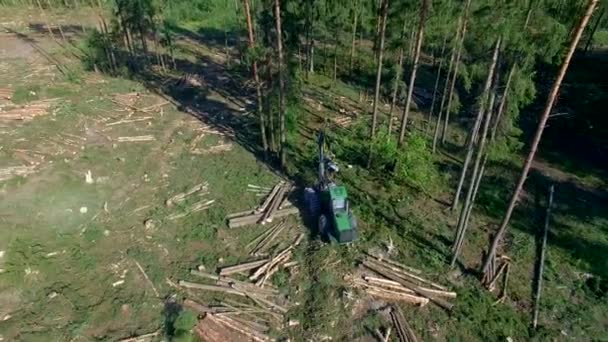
<point x="465" y="212"/>
<point x="410" y="89"/>
<point x="455" y="74"/>
<point x="476" y="125"/>
<point x="396" y="82"/>
<point x="335" y="76"/>
<point x="144" y="43"/>
<point x="58" y="25"/>
<point x="354" y="38"/>
<point x="77" y="8"/>
<point x="283" y="150"/>
<point x="109" y="48"/>
<point x="46" y="19"/>
<point x="505" y="95"/>
<point x="256" y="79"/>
<point x="446" y="85"/>
<point x="436" y="89"/>
<point x="311" y="62"/>
<point x="271" y="121"/>
<point x="503" y="100"/>
<point x="411" y="47"/>
<point x="537" y="136"/>
<point x="384" y="13"/>
<point x="593" y="30"/>
<point x="541" y="258"/>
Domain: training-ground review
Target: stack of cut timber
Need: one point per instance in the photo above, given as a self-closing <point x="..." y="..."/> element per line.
<point x="252" y="321"/>
<point x="275" y="205"/>
<point x="400" y="282"/>
<point x="263" y="241"/>
<point x="13" y="171"/>
<point x="275" y="263"/>
<point x="404" y="331"/>
<point x="6" y="93"/>
<point x="258" y="190"/>
<point x="228" y="322"/>
<point x="343" y="121"/>
<point x="29" y="111"/>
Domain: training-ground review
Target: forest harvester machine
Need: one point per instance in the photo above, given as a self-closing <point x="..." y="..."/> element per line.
<point x="328" y="203"/>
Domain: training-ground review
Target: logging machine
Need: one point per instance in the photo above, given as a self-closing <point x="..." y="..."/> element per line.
<point x="328" y="204"/>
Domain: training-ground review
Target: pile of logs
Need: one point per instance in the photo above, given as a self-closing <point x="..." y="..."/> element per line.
<point x="395" y="281"/>
<point x="199" y="190"/>
<point x="14" y="171"/>
<point x="239" y="321"/>
<point x="27" y="112"/>
<point x="263" y="242"/>
<point x="140" y="138"/>
<point x="128" y="101"/>
<point x="6" y="93"/>
<point x="499" y="269"/>
<point x="404" y="331"/>
<point x="343" y="121"/>
<point x="275" y="205"/>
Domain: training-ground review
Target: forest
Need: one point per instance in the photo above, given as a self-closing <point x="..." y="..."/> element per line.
<point x="469" y="135"/>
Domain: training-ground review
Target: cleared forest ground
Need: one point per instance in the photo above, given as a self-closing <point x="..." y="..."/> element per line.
<point x="70" y="246"/>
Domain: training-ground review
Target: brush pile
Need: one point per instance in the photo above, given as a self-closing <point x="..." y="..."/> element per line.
<point x="276" y="205"/>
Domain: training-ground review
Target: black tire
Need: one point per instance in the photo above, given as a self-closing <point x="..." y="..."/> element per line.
<point x="323" y="227"/>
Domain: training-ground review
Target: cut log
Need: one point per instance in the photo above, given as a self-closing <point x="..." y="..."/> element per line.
<point x="404" y="331"/>
<point x="240" y="328"/>
<point x="224" y="271"/>
<point x="269" y="199"/>
<point x="140" y="138"/>
<point x="394" y="263"/>
<point x="400" y="296"/>
<point x="215" y="288"/>
<point x="414" y="278"/>
<point x="197" y="307"/>
<point x="274" y="205"/>
<point x="392" y="276"/>
<point x="141" y="338"/>
<point x="262" y="245"/>
<point x="211" y="330"/>
<point x="252" y="219"/>
<point x="183" y="195"/>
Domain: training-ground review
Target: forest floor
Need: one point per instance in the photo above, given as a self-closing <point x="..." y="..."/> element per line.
<point x="70" y="249"/>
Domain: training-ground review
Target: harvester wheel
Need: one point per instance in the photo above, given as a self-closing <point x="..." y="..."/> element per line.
<point x="323" y="226"/>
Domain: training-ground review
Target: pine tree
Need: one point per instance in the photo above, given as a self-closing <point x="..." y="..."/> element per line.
<point x="256" y="78"/>
<point x="578" y="31"/>
<point x="383" y="14"/>
<point x="424" y="5"/>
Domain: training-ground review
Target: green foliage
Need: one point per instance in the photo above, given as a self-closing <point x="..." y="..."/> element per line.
<point x="95" y="46"/>
<point x="185" y="321"/>
<point x="26" y="94"/>
<point x="411" y="164"/>
<point x="415" y="164"/>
